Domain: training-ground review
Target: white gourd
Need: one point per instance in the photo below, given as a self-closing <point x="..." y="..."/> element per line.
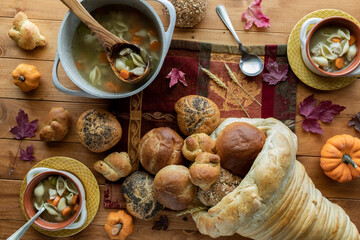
<point x="39" y="190"/>
<point x="137" y="59"/>
<point x="51" y="209"/>
<point x="60" y="186"/>
<point x="327" y="53"/>
<point x="95" y="75"/>
<point x="62" y="204"/>
<point x="351" y="53"/>
<point x="321" y="61"/>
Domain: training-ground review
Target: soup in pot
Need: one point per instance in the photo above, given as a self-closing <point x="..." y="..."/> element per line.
<point x="128" y="24"/>
<point x="332" y="48"/>
<point x="58" y="195"/>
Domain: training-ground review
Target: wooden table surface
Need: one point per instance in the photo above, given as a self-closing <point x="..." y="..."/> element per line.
<point x="47" y="14"/>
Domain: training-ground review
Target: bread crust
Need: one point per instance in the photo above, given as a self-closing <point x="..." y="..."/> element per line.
<point x="196" y="144"/>
<point x="98" y="130"/>
<point x="197" y="114"/>
<point x="58" y="123"/>
<point x="115" y="166"/>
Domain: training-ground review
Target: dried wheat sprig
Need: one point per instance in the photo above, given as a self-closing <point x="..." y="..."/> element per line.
<point x="192" y="210"/>
<point x="221" y="84"/>
<point x="237" y="82"/>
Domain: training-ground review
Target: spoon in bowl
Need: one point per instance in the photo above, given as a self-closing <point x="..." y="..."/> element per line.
<point x="111" y="43"/>
<point x="17" y="235"/>
<point x="250" y="64"/>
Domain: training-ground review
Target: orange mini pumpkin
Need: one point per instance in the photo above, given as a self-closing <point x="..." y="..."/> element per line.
<point x="340" y="158"/>
<point x="119" y="225"/>
<point x="26" y="77"/>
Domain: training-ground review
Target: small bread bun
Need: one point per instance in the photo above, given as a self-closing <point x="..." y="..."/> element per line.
<point x="115" y="166"/>
<point x="238" y="145"/>
<point x="224" y="185"/>
<point x="98" y="130"/>
<point x="160" y="147"/>
<point x="197" y="114"/>
<point x="138" y="190"/>
<point x="173" y="188"/>
<point x="196" y="144"/>
<point x="58" y="123"/>
<point x="205" y="170"/>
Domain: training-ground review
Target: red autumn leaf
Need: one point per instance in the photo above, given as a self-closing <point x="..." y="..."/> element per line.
<point x="28" y="154"/>
<point x="275" y="73"/>
<point x="254" y="15"/>
<point x="24" y="128"/>
<point x="355" y="121"/>
<point x="176" y="76"/>
<point x="324" y="111"/>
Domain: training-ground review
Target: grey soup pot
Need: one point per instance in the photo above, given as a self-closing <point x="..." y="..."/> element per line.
<point x="65" y="37"/>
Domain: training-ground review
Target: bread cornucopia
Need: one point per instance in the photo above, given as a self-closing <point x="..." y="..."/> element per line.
<point x="276" y="199"/>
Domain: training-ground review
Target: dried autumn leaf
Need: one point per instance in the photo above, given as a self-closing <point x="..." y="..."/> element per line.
<point x="28" y="154"/>
<point x="324" y="111"/>
<point x="254" y="15"/>
<point x="355" y="121"/>
<point x="176" y="76"/>
<point x="275" y="73"/>
<point x="24" y="128"/>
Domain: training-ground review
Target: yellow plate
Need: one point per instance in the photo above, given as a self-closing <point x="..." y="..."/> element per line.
<point x="90" y="185"/>
<point x="297" y="64"/>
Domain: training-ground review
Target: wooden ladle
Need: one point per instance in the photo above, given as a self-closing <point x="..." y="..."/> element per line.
<point x="111" y="43"/>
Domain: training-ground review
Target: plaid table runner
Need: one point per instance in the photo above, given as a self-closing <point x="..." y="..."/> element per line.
<point x="154" y="107"/>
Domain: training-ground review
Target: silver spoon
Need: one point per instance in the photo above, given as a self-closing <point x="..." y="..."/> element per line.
<point x="17" y="235"/>
<point x="250" y="64"/>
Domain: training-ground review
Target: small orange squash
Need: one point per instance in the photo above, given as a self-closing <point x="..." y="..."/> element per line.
<point x="119" y="225"/>
<point x="26" y="77"/>
<point x="340" y="158"/>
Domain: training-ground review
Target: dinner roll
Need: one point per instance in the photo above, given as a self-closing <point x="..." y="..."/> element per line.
<point x="138" y="190"/>
<point x="205" y="170"/>
<point x="238" y="146"/>
<point x="98" y="130"/>
<point x="197" y="114"/>
<point x="196" y="144"/>
<point x="115" y="166"/>
<point x="160" y="147"/>
<point x="173" y="187"/>
<point x="224" y="185"/>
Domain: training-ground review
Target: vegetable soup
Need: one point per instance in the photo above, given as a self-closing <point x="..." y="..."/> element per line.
<point x="58" y="195"/>
<point x="129" y="24"/>
<point x="332" y="48"/>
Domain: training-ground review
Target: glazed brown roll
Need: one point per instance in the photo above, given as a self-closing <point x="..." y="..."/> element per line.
<point x="196" y="144"/>
<point x="160" y="147"/>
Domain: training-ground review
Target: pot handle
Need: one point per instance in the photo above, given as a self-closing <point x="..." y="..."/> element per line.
<point x="304" y="28"/>
<point x="31" y="174"/>
<point x="60" y="87"/>
<point x="82" y="220"/>
<point x="172" y="15"/>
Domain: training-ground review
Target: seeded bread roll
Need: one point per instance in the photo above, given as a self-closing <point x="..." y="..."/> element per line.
<point x="197" y="114"/>
<point x="173" y="188"/>
<point x="224" y="185"/>
<point x="205" y="170"/>
<point x="138" y="190"/>
<point x="196" y="144"/>
<point x="160" y="147"/>
<point x="238" y="146"/>
<point x="98" y="130"/>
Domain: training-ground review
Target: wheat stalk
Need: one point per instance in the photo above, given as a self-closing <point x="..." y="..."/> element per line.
<point x="237" y="82"/>
<point x="221" y="84"/>
<point x="192" y="210"/>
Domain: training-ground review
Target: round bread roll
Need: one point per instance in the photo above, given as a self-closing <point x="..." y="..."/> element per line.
<point x="173" y="187"/>
<point x="197" y="114"/>
<point x="238" y="146"/>
<point x="205" y="170"/>
<point x="138" y="190"/>
<point x="196" y="144"/>
<point x="160" y="147"/>
<point x="188" y="12"/>
<point x="115" y="166"/>
<point x="98" y="130"/>
<point x="224" y="185"/>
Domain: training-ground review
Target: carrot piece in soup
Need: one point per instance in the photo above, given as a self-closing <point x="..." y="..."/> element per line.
<point x="339" y="63"/>
<point x="111" y="87"/>
<point x="336" y="39"/>
<point x="152" y="32"/>
<point x="136" y="40"/>
<point x="102" y="57"/>
<point x="79" y="66"/>
<point x="49" y="201"/>
<point x="66" y="211"/>
<point x="74" y="199"/>
<point x="125" y="74"/>
<point x="56" y="200"/>
<point x="352" y="40"/>
<point x="75" y="207"/>
<point x="155" y="46"/>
